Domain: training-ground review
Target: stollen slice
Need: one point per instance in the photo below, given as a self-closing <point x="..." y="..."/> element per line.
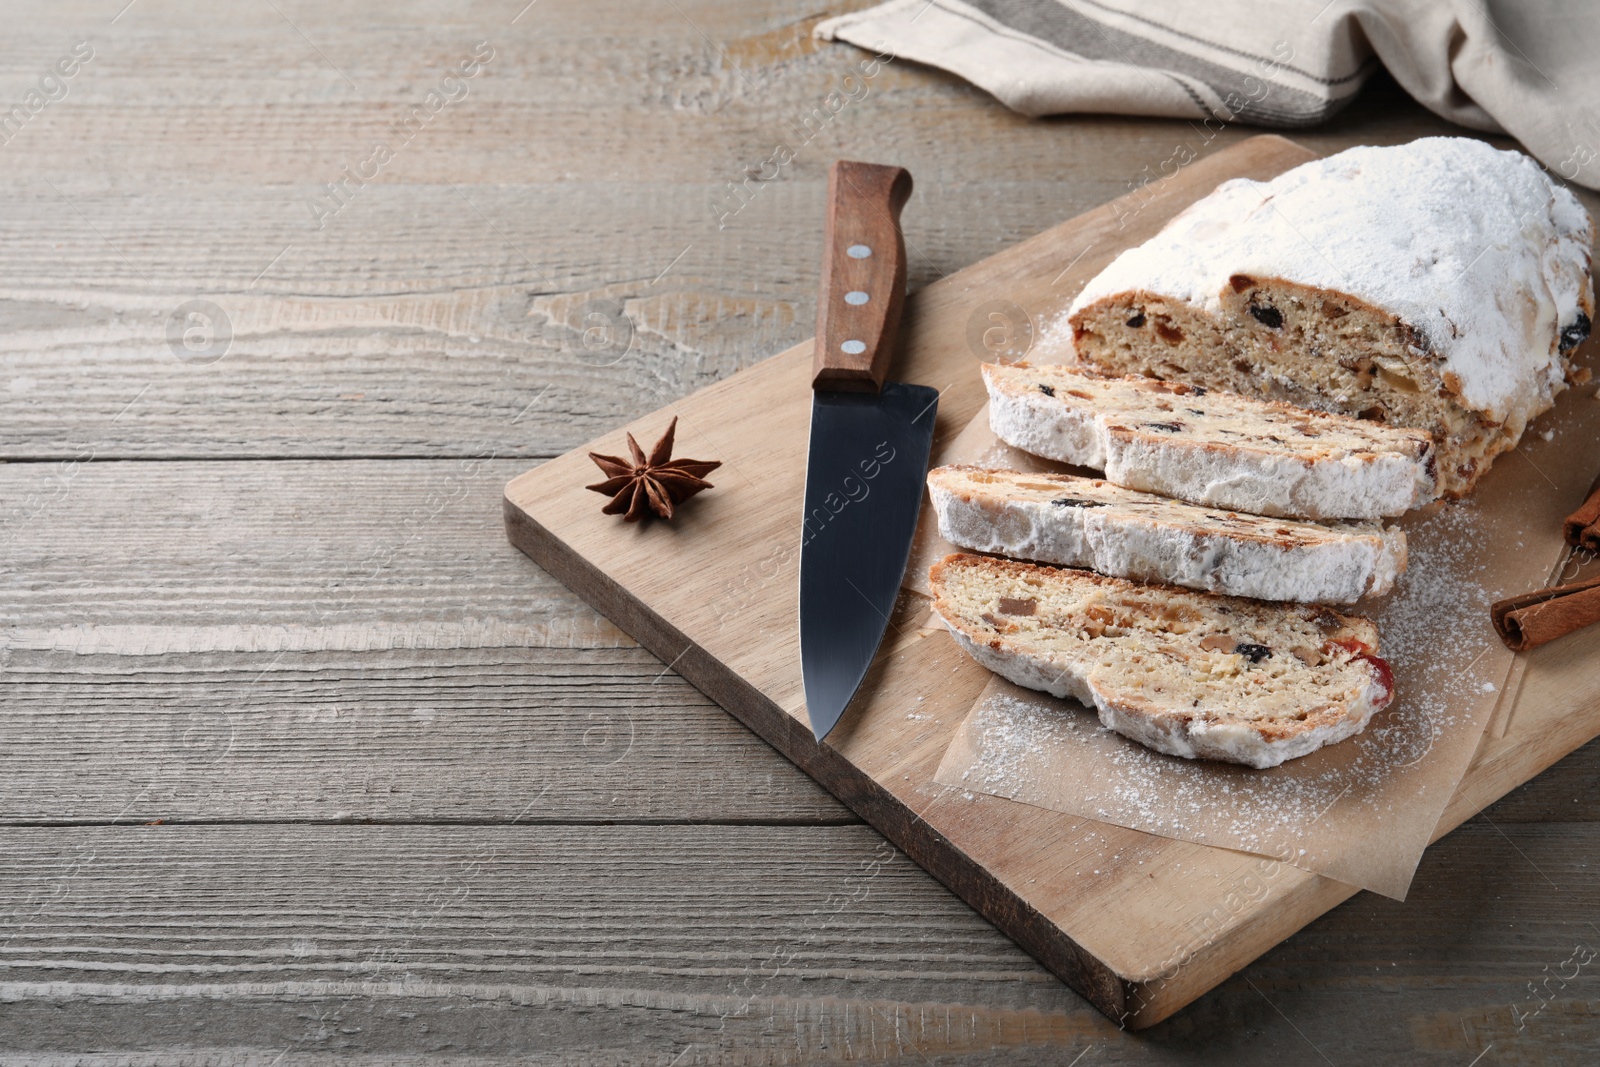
<point x="1190" y="674"/>
<point x="1212" y="447"/>
<point x="1089" y="522"/>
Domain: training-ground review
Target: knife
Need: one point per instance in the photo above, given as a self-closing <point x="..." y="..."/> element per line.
<point x="870" y="441"/>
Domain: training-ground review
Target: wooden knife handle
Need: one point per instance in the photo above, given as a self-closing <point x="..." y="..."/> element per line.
<point x="863" y="277"/>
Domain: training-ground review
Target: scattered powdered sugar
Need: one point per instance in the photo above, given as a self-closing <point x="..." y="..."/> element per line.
<point x="1351" y="807"/>
<point x="1435" y="629"/>
<point x="999" y="455"/>
<point x="1055" y="343"/>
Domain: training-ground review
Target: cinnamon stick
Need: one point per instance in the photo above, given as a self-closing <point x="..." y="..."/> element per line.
<point x="1532" y="619"/>
<point x="1582" y="527"/>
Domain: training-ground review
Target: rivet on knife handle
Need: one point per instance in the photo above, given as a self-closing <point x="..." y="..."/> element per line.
<point x="863" y="277"/>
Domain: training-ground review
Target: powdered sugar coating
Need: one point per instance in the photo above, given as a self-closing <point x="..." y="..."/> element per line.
<point x="1085" y="522"/>
<point x="1472" y="247"/>
<point x="1141" y="656"/>
<point x="1349" y="818"/>
<point x="1218" y="449"/>
<point x="1196" y="738"/>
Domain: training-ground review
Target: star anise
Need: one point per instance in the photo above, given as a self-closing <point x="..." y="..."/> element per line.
<point x="650" y="483"/>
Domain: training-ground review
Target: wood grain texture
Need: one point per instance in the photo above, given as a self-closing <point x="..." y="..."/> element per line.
<point x="1139" y="925"/>
<point x="586" y="172"/>
<point x="174" y="558"/>
<point x="307" y="655"/>
<point x="864" y="257"/>
<point x="245" y="944"/>
<point x="440" y="315"/>
<point x="236" y="641"/>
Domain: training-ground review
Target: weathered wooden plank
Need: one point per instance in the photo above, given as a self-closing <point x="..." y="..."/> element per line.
<point x="571" y="939"/>
<point x="263" y="641"/>
<point x="754" y="945"/>
<point x="452" y="290"/>
<point x="699" y="110"/>
<point x="334" y="354"/>
<point x="1496" y="907"/>
<point x="174" y="558"/>
<point x="432" y="735"/>
<point x="595" y="144"/>
<point x="285" y="641"/>
<point x="493" y="359"/>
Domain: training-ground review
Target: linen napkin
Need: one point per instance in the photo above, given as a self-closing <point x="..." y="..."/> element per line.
<point x="1523" y="67"/>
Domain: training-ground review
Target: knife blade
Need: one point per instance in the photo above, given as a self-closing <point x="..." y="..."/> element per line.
<point x="870" y="441"/>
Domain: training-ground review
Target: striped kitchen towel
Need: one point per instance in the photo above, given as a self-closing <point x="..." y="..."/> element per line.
<point x="1526" y="67"/>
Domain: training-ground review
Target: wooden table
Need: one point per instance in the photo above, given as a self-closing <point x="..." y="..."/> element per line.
<point x="301" y="759"/>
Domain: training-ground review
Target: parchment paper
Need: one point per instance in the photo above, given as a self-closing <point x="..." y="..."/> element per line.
<point x="1360" y="811"/>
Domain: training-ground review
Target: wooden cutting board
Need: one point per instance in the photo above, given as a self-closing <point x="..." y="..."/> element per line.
<point x="1140" y="925"/>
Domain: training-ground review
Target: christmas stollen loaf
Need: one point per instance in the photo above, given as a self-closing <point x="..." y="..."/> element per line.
<point x="1439" y="284"/>
<point x="1086" y="522"/>
<point x="1189" y="674"/>
<point x="1212" y="447"/>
